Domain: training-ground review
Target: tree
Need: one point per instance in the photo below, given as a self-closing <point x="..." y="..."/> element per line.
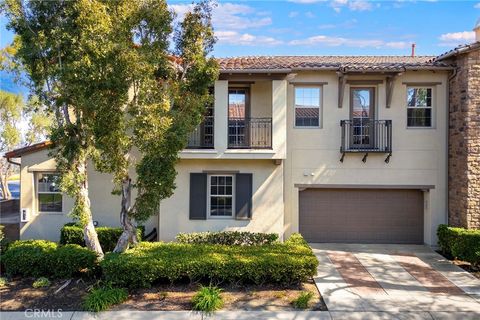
<point x="11" y="106"/>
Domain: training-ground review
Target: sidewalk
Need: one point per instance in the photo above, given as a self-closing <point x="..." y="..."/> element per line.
<point x="239" y="315"/>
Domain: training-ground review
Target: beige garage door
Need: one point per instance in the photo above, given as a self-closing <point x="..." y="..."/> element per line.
<point x="361" y="215"/>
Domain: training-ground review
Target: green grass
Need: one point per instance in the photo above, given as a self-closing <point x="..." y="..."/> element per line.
<point x="303" y="300"/>
<point x="102" y="299"/>
<point x="41" y="282"/>
<point x="207" y="300"/>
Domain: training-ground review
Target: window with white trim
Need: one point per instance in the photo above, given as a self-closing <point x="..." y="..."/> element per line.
<point x="307" y="106"/>
<point x="419" y="107"/>
<point x="220" y="201"/>
<point x="49" y="196"/>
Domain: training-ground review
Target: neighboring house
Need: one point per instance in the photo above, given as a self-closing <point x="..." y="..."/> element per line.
<point x="341" y="149"/>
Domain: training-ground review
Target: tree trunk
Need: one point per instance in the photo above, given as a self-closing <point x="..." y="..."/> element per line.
<point x="89" y="233"/>
<point x="129" y="235"/>
<point x="4" y="182"/>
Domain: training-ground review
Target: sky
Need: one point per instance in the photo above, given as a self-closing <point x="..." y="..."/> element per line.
<point x="327" y="27"/>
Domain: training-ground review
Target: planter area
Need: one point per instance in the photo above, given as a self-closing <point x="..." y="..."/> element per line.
<point x="234" y="270"/>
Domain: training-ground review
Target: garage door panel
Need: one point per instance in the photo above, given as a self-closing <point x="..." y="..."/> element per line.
<point x="361" y="215"/>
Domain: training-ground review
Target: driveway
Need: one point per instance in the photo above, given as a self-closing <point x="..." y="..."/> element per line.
<point x="394" y="278"/>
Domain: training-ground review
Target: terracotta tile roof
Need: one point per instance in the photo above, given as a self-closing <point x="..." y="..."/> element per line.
<point x="350" y="63"/>
<point x="28" y="149"/>
<point x="464" y="48"/>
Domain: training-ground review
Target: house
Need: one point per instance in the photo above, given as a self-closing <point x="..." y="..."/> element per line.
<point x="339" y="148"/>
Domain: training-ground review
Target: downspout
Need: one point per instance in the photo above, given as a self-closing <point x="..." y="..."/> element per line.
<point x="447" y="198"/>
<point x="9" y="160"/>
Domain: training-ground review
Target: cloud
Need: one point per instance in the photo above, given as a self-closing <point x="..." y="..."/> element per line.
<point x="353" y="5"/>
<point x="340" y="41"/>
<point x="230" y="16"/>
<point x="293" y="14"/>
<point x="454" y="38"/>
<point x="309" y="14"/>
<point x="306" y="1"/>
<point x="477" y="6"/>
<point x="245" y="39"/>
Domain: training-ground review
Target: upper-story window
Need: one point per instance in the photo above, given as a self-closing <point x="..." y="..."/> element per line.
<point x="307" y="106"/>
<point x="419" y="107"/>
<point x="49" y="196"/>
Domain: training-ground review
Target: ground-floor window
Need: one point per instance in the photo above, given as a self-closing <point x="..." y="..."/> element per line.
<point x="49" y="196"/>
<point x="220" y="199"/>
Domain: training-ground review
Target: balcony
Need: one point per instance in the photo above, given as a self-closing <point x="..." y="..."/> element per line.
<point x="203" y="135"/>
<point x="250" y="133"/>
<point x="366" y="136"/>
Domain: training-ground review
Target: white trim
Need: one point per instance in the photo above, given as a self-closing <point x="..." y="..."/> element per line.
<point x="37" y="193"/>
<point x="431" y="107"/>
<point x="209" y="176"/>
<point x="320" y="105"/>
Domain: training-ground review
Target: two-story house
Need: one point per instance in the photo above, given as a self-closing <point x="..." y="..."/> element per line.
<point x="341" y="149"/>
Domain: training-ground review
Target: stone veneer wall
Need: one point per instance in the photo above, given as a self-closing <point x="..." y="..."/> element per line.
<point x="464" y="143"/>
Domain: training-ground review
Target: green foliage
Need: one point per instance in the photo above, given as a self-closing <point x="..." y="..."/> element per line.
<point x="41" y="282"/>
<point x="150" y="262"/>
<point x="207" y="299"/>
<point x="228" y="238"/>
<point x="36" y="258"/>
<point x="11" y="106"/>
<point x="108" y="236"/>
<point x="100" y="299"/>
<point x="463" y="244"/>
<point x="3" y="282"/>
<point x="29" y="258"/>
<point x="303" y="300"/>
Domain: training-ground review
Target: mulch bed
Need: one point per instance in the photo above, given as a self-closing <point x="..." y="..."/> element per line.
<point x="467" y="266"/>
<point x="20" y="295"/>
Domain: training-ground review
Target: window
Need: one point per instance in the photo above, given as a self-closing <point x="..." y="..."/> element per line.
<point x="419" y="107"/>
<point x="48" y="194"/>
<point x="220" y="201"/>
<point x="307" y="106"/>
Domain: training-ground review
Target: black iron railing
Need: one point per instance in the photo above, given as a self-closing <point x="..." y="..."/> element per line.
<point x="202" y="136"/>
<point x="250" y="133"/>
<point x="365" y="135"/>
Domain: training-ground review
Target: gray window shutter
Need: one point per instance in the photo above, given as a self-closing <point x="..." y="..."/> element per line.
<point x="198" y="196"/>
<point x="243" y="196"/>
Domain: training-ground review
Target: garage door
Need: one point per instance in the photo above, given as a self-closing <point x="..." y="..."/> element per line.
<point x="361" y="215"/>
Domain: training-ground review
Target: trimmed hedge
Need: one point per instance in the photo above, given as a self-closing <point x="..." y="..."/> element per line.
<point x="463" y="244"/>
<point x="108" y="236"/>
<point x="285" y="263"/>
<point x="36" y="258"/>
<point x="228" y="238"/>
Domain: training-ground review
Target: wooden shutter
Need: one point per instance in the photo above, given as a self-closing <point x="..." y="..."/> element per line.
<point x="198" y="196"/>
<point x="243" y="196"/>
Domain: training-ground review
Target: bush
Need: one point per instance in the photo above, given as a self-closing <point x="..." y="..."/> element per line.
<point x="108" y="236"/>
<point x="101" y="299"/>
<point x="228" y="238"/>
<point x="4" y="242"/>
<point x="3" y="282"/>
<point x="207" y="300"/>
<point x="30" y="258"/>
<point x="37" y="258"/>
<point x="41" y="282"/>
<point x="150" y="262"/>
<point x="303" y="300"/>
<point x="463" y="244"/>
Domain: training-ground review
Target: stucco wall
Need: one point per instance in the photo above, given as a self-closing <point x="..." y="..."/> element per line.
<point x="267" y="202"/>
<point x="105" y="206"/>
<point x="419" y="155"/>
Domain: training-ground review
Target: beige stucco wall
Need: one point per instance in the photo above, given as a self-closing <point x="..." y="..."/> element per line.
<point x="105" y="206"/>
<point x="419" y="155"/>
<point x="267" y="202"/>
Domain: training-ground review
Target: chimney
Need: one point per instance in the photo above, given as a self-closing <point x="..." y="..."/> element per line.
<point x="477" y="31"/>
<point x="413" y="49"/>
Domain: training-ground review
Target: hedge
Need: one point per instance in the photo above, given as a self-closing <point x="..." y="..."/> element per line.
<point x="228" y="238"/>
<point x="108" y="236"/>
<point x="463" y="244"/>
<point x="281" y="263"/>
<point x="37" y="258"/>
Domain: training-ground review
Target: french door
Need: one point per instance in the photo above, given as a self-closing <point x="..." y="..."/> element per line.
<point x="362" y="115"/>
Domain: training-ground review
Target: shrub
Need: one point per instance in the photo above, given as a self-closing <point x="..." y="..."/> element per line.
<point x="41" y="282"/>
<point x="463" y="244"/>
<point x="71" y="260"/>
<point x="29" y="257"/>
<point x="228" y="238"/>
<point x="4" y="242"/>
<point x="101" y="299"/>
<point x="108" y="236"/>
<point x="3" y="282"/>
<point x="207" y="300"/>
<point x="149" y="262"/>
<point x="303" y="300"/>
<point x="37" y="258"/>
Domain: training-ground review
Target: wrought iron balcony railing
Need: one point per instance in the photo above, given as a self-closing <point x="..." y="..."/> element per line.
<point x="250" y="133"/>
<point x="366" y="135"/>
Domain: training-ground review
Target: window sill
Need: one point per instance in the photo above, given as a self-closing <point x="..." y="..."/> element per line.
<point x="260" y="151"/>
<point x="209" y="151"/>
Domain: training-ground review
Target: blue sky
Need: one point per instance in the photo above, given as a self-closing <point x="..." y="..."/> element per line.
<point x="323" y="27"/>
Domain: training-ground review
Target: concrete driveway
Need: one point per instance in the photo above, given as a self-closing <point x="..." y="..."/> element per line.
<point x="394" y="278"/>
